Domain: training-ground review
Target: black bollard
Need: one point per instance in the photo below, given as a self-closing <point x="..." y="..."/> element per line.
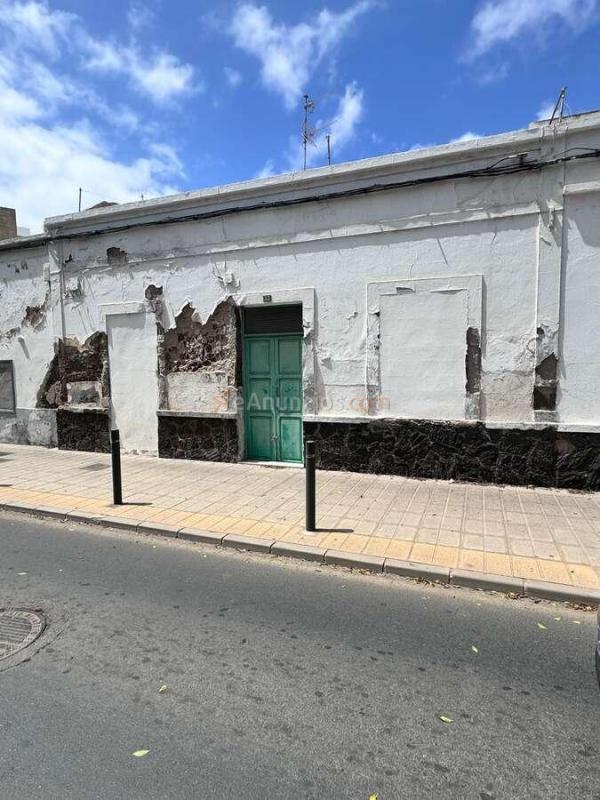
<point x="115" y="449"/>
<point x="310" y="459"/>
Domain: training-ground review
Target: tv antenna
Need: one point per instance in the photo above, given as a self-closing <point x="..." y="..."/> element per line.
<point x="559" y="108"/>
<point x="308" y="134"/>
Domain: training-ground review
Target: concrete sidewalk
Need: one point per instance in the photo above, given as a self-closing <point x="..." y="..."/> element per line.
<point x="469" y="534"/>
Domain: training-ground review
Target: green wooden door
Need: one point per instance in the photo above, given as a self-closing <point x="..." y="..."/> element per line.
<point x="273" y="397"/>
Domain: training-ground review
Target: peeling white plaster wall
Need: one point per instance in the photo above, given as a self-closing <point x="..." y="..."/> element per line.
<point x="24" y="283"/>
<point x="508" y="230"/>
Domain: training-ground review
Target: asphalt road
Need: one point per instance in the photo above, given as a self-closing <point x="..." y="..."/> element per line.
<point x="283" y="680"/>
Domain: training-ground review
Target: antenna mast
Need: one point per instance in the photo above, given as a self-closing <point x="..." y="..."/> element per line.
<point x="559" y="108"/>
<point x="308" y="134"/>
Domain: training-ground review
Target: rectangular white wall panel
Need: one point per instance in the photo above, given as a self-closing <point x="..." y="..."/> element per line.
<point x="422" y="355"/>
<point x="133" y="380"/>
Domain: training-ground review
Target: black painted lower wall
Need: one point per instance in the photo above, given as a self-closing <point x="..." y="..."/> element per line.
<point x="83" y="430"/>
<point x="201" y="438"/>
<point x="413" y="448"/>
<point x="447" y="451"/>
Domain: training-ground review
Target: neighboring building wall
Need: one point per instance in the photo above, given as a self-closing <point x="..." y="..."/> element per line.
<point x="437" y="303"/>
<point x="8" y="223"/>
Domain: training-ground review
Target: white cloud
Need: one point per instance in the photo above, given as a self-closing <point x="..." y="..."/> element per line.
<point x="31" y="25"/>
<point x="348" y="115"/>
<point x="139" y="16"/>
<point x="16" y="105"/>
<point x="34" y="24"/>
<point x="161" y="76"/>
<point x="501" y="21"/>
<point x="493" y="74"/>
<point x="232" y="76"/>
<point x="341" y="130"/>
<point x="267" y="170"/>
<point x="43" y="167"/>
<point x="45" y="159"/>
<point x="468" y="136"/>
<point x="289" y="54"/>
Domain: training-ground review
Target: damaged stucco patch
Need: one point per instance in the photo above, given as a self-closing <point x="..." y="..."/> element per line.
<point x="34" y="316"/>
<point x="473" y="374"/>
<point x="199" y="363"/>
<point x="78" y="373"/>
<point x="473" y="361"/>
<point x="116" y="257"/>
<point x="193" y="346"/>
<point x="546" y="371"/>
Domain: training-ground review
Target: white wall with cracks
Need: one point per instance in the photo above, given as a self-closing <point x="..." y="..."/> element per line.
<point x="527" y="241"/>
<point x="26" y="339"/>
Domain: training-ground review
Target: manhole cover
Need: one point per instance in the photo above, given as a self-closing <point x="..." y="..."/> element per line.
<point x="18" y="629"/>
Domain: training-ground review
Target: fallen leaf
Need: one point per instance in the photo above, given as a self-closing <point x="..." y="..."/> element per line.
<point x="474" y="648"/>
<point x="163" y="689"/>
<point x="373" y="797"/>
<point x="447" y="720"/>
<point x="140" y="753"/>
<point x="541" y="626"/>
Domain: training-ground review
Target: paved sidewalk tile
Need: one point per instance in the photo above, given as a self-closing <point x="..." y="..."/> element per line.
<point x="524" y="534"/>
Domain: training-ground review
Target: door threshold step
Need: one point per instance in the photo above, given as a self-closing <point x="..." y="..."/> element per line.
<point x="275" y="464"/>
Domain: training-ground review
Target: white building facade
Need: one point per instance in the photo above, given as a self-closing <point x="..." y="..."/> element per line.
<point x="434" y="313"/>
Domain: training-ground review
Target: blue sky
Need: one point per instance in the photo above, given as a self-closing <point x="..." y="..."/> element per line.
<point x="128" y="98"/>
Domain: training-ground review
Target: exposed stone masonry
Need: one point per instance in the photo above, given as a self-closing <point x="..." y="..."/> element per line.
<point x="201" y="347"/>
<point x="74" y="362"/>
<point x="204" y="439"/>
<point x="460" y="452"/>
<point x="83" y="430"/>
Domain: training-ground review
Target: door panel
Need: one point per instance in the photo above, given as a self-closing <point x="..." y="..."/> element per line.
<point x="259" y="356"/>
<point x="259" y="394"/>
<point x="290" y="438"/>
<point x="289" y="400"/>
<point x="260" y="436"/>
<point x="290" y="356"/>
<point x="273" y="397"/>
<point x="259" y="397"/>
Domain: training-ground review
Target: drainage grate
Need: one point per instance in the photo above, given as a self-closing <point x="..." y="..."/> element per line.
<point x="18" y="629"/>
<point x="94" y="467"/>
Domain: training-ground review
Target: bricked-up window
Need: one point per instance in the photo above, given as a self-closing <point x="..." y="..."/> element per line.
<point x="7" y="386"/>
